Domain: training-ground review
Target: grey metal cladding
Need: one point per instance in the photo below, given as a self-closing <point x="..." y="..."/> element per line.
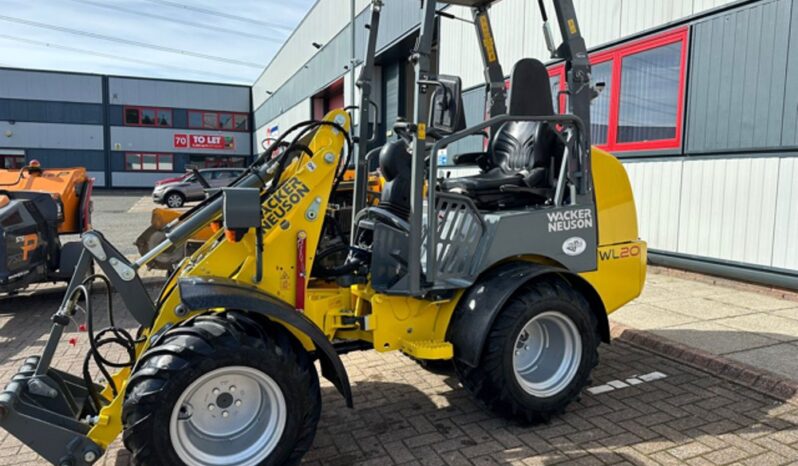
<point x="159" y="93"/>
<point x="91" y="159"/>
<point x="138" y="139"/>
<point x="789" y="136"/>
<point x="26" y="135"/>
<point x="44" y="85"/>
<point x="738" y="70"/>
<point x="399" y="17"/>
<point x="48" y="111"/>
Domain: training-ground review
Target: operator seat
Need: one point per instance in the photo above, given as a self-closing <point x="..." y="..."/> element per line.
<point x="519" y="167"/>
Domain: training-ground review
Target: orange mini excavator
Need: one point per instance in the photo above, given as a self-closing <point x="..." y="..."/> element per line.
<point x="37" y="207"/>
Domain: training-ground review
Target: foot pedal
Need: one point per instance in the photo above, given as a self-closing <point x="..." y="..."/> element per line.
<point x="428" y="349"/>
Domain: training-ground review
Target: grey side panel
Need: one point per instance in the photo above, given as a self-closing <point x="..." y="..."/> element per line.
<point x="39" y="85"/>
<point x="737" y="78"/>
<point x="544" y="232"/>
<point x="51" y="136"/>
<point x="789" y="136"/>
<point x="131" y="91"/>
<point x="199" y="294"/>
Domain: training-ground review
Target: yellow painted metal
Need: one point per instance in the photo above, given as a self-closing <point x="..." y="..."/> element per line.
<point x="615" y="204"/>
<point x="412" y="325"/>
<point x="430" y="349"/>
<point x="109" y="420"/>
<point x="621" y="272"/>
<point x="296" y="208"/>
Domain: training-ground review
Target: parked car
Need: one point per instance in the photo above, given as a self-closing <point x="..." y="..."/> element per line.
<point x="174" y="192"/>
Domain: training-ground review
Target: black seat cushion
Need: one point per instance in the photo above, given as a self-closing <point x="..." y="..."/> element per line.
<point x="521" y="152"/>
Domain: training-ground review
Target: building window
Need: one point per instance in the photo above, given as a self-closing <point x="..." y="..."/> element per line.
<point x="642" y="105"/>
<point x="11" y="162"/>
<point x="149" y="161"/>
<point x="600" y="106"/>
<point x="148" y="116"/>
<point x="649" y="102"/>
<point x="226" y="121"/>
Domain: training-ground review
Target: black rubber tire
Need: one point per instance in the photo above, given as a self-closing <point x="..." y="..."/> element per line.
<point x="206" y="343"/>
<point x="493" y="381"/>
<point x="179" y="196"/>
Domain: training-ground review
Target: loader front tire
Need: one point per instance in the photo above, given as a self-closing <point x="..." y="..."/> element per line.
<point x="222" y="389"/>
<point x="538" y="355"/>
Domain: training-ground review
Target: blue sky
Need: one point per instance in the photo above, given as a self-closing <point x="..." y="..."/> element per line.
<point x="207" y="40"/>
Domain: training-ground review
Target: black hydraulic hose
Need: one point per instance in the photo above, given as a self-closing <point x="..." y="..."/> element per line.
<point x="19" y="178"/>
<point x="543" y="11"/>
<point x="106" y="336"/>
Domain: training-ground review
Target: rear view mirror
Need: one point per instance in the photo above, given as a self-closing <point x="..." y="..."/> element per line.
<point x="446" y="108"/>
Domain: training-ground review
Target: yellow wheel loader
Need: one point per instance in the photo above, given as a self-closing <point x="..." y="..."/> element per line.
<point x="509" y="273"/>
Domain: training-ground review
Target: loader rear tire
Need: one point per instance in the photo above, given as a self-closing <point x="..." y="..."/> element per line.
<point x="538" y="355"/>
<point x="182" y="405"/>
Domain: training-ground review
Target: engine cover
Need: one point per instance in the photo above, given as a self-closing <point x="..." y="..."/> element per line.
<point x="28" y="240"/>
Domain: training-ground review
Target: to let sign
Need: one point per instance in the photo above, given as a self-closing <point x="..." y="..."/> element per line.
<point x="202" y="141"/>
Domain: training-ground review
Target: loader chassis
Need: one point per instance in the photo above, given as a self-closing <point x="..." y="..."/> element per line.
<point x="429" y="273"/>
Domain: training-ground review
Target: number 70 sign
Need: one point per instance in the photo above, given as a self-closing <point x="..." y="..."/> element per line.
<point x="202" y="141"/>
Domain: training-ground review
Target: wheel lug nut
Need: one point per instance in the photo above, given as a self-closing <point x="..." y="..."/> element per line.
<point x="238" y="403"/>
<point x="211" y="407"/>
<point x="215" y="391"/>
<point x="526" y="348"/>
<point x="232" y="388"/>
<point x="225" y="414"/>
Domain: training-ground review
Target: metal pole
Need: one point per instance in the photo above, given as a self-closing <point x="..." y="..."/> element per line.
<point x="421" y="60"/>
<point x="364" y="82"/>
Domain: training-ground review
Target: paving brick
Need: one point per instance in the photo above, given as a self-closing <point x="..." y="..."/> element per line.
<point x="406" y="415"/>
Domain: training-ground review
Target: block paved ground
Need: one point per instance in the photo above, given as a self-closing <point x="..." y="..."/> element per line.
<point x="405" y="414"/>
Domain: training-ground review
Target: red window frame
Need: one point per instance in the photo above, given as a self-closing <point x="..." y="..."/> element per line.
<point x="562" y="100"/>
<point x="158" y="156"/>
<point x="141" y="112"/>
<point x="616" y="55"/>
<point x="235" y="119"/>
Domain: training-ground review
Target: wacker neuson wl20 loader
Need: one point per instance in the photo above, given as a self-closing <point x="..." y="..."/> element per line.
<point x="509" y="273"/>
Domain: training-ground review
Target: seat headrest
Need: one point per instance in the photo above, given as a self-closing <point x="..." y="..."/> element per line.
<point x="530" y="91"/>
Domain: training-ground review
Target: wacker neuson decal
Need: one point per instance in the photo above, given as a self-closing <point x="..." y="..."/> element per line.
<point x="566" y="220"/>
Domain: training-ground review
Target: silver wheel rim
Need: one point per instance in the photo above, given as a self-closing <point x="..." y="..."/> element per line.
<point x="230" y="416"/>
<point x="547" y="354"/>
<point x="173" y="200"/>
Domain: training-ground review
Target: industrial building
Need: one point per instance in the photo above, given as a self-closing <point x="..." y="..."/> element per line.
<point x="701" y="104"/>
<point x="129" y="132"/>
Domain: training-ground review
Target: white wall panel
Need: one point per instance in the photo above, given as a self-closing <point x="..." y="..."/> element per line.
<point x="325" y="19"/>
<point x="638" y="15"/>
<point x="702" y="5"/>
<point x="785" y="240"/>
<point x="459" y="49"/>
<point x="297" y="113"/>
<point x="729" y="209"/>
<point x="39" y="85"/>
<point x="50" y="136"/>
<point x="600" y="20"/>
<point x="657" y="198"/>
